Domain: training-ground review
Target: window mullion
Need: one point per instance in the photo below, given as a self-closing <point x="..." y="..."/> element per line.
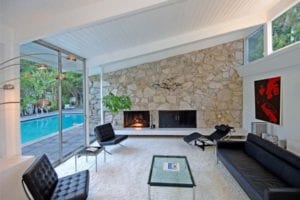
<point x="268" y="46"/>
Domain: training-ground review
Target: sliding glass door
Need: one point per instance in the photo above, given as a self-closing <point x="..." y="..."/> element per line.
<point x="72" y="105"/>
<point x="52" y="101"/>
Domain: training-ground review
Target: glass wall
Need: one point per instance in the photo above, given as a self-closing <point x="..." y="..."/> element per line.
<point x="52" y="94"/>
<point x="72" y="104"/>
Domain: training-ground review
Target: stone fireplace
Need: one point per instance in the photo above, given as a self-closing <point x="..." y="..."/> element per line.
<point x="136" y="119"/>
<point x="205" y="81"/>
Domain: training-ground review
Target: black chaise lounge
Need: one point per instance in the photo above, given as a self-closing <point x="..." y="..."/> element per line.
<point x="105" y="135"/>
<point x="208" y="140"/>
<point x="43" y="183"/>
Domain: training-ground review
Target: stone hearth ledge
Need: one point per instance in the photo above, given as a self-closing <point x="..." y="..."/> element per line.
<point x="173" y="131"/>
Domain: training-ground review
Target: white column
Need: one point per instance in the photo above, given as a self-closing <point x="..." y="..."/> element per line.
<point x="10" y="144"/>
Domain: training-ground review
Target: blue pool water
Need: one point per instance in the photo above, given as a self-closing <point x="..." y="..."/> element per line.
<point x="36" y="128"/>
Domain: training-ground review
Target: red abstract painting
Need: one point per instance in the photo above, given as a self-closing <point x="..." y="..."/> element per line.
<point x="267" y="99"/>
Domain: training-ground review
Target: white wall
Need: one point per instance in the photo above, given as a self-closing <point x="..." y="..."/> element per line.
<point x="11" y="170"/>
<point x="290" y="85"/>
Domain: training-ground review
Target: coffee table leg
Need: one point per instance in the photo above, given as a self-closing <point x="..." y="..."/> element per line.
<point x="149" y="192"/>
<point x="96" y="163"/>
<point x="75" y="163"/>
<point x="104" y="155"/>
<point x="194" y="194"/>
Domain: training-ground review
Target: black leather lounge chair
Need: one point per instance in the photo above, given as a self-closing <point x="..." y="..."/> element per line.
<point x="105" y="135"/>
<point x="208" y="140"/>
<point x="43" y="183"/>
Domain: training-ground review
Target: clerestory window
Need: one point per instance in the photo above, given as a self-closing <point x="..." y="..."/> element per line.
<point x="255" y="45"/>
<point x="286" y="28"/>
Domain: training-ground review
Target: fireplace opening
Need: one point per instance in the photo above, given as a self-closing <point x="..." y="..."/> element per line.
<point x="177" y="119"/>
<point x="136" y="119"/>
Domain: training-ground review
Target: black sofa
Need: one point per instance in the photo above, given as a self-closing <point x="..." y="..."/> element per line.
<point x="263" y="170"/>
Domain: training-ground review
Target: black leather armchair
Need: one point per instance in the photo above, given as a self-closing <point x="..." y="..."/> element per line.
<point x="43" y="183"/>
<point x="105" y="135"/>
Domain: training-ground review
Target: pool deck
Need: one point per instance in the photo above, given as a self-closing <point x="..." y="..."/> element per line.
<point x="73" y="138"/>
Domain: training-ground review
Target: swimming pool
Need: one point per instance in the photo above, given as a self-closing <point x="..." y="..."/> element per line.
<point x="37" y="128"/>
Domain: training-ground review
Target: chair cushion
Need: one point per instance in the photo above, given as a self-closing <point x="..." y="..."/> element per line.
<point x="104" y="132"/>
<point x="117" y="139"/>
<point x="193" y="136"/>
<point x="41" y="178"/>
<point x="72" y="187"/>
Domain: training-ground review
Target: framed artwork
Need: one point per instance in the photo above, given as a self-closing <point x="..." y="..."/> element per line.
<point x="267" y="99"/>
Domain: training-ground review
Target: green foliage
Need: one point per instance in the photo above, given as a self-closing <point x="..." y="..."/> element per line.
<point x="286" y="28"/>
<point x="115" y="103"/>
<point x="72" y="87"/>
<point x="42" y="84"/>
<point x="35" y="84"/>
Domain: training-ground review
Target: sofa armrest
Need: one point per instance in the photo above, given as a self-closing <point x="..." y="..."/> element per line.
<point x="230" y="144"/>
<point x="282" y="193"/>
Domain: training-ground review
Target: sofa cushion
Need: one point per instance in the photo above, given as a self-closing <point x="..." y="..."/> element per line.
<point x="249" y="173"/>
<point x="281" y="153"/>
<point x="279" y="161"/>
<point x="291" y="175"/>
<point x="268" y="160"/>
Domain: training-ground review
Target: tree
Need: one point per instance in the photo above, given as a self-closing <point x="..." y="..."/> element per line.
<point x="286" y="28"/>
<point x="72" y="87"/>
<point x="115" y="103"/>
<point x="35" y="84"/>
<point x="39" y="84"/>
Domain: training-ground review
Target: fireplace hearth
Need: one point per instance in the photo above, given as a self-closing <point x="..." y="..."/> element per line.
<point x="136" y="119"/>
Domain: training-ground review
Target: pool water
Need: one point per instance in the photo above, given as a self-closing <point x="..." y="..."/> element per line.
<point x="37" y="128"/>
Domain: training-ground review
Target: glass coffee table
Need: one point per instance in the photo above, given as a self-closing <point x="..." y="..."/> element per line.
<point x="170" y="171"/>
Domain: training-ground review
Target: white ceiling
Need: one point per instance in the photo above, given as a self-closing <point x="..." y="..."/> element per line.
<point x="155" y="24"/>
<point x="158" y="29"/>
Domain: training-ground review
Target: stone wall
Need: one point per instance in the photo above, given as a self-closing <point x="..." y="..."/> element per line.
<point x="204" y="80"/>
<point x="94" y="102"/>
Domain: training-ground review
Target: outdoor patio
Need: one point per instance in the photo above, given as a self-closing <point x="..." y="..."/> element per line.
<point x="72" y="140"/>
